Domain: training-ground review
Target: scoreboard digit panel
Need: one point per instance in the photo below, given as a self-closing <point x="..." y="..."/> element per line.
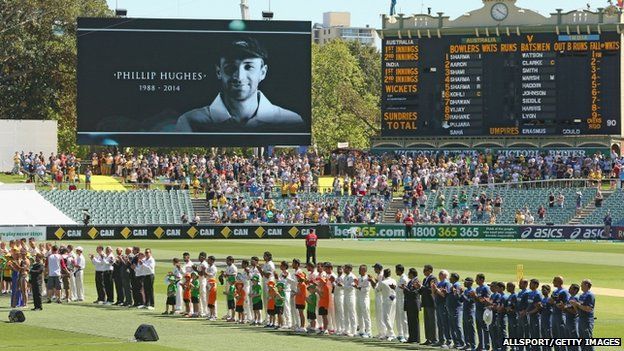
<point x="528" y="85"/>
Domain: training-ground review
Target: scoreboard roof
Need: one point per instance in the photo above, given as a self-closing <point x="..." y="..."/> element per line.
<point x="498" y="17"/>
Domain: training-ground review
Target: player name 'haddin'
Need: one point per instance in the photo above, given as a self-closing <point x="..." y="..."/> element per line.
<point x="151" y="75"/>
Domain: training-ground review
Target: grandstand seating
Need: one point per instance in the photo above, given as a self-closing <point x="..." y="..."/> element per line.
<point x="614" y="203"/>
<point x="515" y="199"/>
<point x="142" y="207"/>
<point x="123" y="207"/>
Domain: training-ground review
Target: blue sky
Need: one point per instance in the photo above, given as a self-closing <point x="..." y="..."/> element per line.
<point x="362" y="11"/>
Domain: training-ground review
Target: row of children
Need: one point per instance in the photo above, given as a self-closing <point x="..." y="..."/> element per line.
<point x="277" y="298"/>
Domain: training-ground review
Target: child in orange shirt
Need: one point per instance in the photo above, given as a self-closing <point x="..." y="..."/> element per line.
<point x="186" y="295"/>
<point x="212" y="299"/>
<point x="271" y="304"/>
<point x="300" y="300"/>
<point x="324" y="295"/>
<point x="240" y="296"/>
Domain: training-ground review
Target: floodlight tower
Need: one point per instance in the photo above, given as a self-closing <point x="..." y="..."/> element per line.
<point x="244" y="5"/>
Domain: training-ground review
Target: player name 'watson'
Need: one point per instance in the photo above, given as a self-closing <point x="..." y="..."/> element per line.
<point x="151" y="75"/>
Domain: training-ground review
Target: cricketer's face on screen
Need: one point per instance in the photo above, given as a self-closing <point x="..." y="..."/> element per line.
<point x="240" y="78"/>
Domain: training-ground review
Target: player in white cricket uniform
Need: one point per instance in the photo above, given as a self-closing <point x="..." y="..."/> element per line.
<point x="187" y="268"/>
<point x="211" y="273"/>
<point x="230" y="271"/>
<point x="285" y="278"/>
<point x="362" y="296"/>
<point x="350" y="281"/>
<point x="339" y="301"/>
<point x="202" y="266"/>
<point x="376" y="283"/>
<point x="81" y="264"/>
<point x="294" y="289"/>
<point x="245" y="276"/>
<point x="388" y="295"/>
<point x="268" y="270"/>
<point x="252" y="271"/>
<point x="331" y="315"/>
<point x="401" y="316"/>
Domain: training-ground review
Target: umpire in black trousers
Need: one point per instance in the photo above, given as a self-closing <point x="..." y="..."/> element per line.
<point x="412" y="306"/>
<point x="118" y="266"/>
<point x="428" y="305"/>
<point x="136" y="281"/>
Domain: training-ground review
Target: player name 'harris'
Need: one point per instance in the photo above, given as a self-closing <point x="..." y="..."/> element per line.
<point x="151" y="75"/>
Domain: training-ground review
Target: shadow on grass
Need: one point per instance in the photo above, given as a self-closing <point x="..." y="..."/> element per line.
<point x="370" y="343"/>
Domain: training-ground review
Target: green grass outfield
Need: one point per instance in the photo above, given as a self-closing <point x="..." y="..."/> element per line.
<point x="93" y="327"/>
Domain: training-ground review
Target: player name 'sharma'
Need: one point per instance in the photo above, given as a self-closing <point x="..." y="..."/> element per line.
<point x="460" y="57"/>
<point x="150" y="75"/>
<point x="464" y="79"/>
<point x="460" y="87"/>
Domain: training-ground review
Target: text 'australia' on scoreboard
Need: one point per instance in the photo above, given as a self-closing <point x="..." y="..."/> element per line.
<point x="533" y="84"/>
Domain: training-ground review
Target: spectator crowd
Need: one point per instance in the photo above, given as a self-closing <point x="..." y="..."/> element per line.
<point x="287" y="188"/>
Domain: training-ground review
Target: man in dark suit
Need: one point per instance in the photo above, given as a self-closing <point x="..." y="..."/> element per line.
<point x="428" y="305"/>
<point x="412" y="305"/>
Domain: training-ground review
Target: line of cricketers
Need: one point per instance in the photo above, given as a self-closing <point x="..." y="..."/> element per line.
<point x="454" y="315"/>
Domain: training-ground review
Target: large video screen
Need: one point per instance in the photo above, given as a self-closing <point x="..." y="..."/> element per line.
<point x="163" y="82"/>
<point x="507" y="85"/>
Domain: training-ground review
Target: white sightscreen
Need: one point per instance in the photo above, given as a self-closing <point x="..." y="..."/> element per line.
<point x="25" y="135"/>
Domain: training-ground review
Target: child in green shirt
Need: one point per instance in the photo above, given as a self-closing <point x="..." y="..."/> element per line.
<point x="172" y="291"/>
<point x="229" y="292"/>
<point x="195" y="294"/>
<point x="256" y="300"/>
<point x="280" y="297"/>
<point x="311" y="301"/>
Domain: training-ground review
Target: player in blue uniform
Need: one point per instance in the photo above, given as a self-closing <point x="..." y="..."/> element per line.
<point x="532" y="310"/>
<point x="521" y="308"/>
<point x="512" y="316"/>
<point x="454" y="307"/>
<point x="481" y="294"/>
<point x="585" y="309"/>
<point x="559" y="296"/>
<point x="468" y="315"/>
<point x="501" y="317"/>
<point x="492" y="305"/>
<point x="571" y="316"/>
<point x="442" y="317"/>
<point x="545" y="311"/>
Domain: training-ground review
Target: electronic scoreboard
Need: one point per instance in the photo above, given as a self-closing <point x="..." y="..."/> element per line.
<point x="518" y="85"/>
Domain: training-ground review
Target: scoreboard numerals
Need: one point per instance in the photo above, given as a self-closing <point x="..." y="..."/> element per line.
<point x="595" y="121"/>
